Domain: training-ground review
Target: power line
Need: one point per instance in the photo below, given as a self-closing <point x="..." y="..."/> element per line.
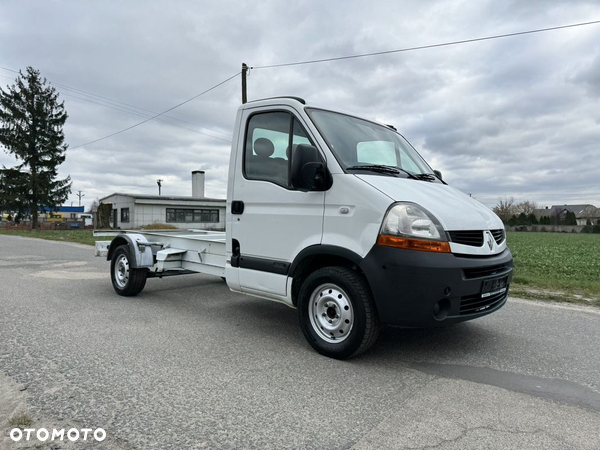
<point x="116" y="104"/>
<point x="118" y="108"/>
<point x="139" y="114"/>
<point x="159" y="114"/>
<point x="422" y="47"/>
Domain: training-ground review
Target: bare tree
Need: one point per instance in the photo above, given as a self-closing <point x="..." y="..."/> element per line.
<point x="505" y="209"/>
<point x="526" y="207"/>
<point x="94" y="206"/>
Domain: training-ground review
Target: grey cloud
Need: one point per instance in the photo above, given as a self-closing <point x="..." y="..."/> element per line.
<point x="515" y="117"/>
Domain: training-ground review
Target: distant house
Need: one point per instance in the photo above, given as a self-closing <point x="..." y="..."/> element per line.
<point x="541" y="212"/>
<point x="558" y="213"/>
<point x="589" y="214"/>
<point x="130" y="211"/>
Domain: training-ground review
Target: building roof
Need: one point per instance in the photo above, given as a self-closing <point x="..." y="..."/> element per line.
<point x="571" y="208"/>
<point x="164" y="198"/>
<point x="589" y="212"/>
<point x="541" y="212"/>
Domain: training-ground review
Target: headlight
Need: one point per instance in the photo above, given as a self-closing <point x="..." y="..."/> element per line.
<point x="412" y="227"/>
<point x="408" y="219"/>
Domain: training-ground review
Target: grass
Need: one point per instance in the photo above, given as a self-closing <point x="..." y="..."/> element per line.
<point x="78" y="236"/>
<point x="20" y="421"/>
<point x="558" y="266"/>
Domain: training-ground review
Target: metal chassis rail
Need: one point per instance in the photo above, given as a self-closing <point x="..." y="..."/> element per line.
<point x="172" y="252"/>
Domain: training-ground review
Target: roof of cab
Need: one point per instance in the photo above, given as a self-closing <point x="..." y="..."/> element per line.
<point x="291" y="100"/>
<point x="283" y="100"/>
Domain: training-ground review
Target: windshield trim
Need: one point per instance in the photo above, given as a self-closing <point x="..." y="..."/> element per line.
<point x="342" y="165"/>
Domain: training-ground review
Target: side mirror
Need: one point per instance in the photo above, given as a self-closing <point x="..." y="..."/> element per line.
<point x="438" y="174"/>
<point x="308" y="169"/>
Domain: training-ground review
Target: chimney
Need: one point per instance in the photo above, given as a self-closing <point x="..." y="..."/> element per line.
<point x="198" y="184"/>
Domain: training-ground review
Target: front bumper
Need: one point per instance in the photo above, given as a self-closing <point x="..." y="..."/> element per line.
<point x="422" y="289"/>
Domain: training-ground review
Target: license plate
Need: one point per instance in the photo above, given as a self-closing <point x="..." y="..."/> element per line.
<point x="494" y="286"/>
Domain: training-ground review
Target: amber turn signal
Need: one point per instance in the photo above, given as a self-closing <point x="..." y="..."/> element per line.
<point x="413" y="244"/>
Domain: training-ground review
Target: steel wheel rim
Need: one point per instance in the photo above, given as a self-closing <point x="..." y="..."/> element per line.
<point x="331" y="313"/>
<point x="121" y="271"/>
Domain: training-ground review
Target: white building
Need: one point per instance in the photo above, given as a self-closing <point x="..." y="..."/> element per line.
<point x="135" y="210"/>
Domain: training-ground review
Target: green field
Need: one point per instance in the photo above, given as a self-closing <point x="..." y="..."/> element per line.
<point x="560" y="266"/>
<point x="78" y="236"/>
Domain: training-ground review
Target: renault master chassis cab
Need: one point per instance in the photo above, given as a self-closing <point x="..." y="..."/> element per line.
<point x="340" y="218"/>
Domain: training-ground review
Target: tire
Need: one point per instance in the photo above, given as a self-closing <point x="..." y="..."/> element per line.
<point x="125" y="280"/>
<point x="337" y="312"/>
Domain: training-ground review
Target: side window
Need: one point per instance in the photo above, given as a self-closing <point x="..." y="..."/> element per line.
<point x="265" y="152"/>
<point x="299" y="136"/>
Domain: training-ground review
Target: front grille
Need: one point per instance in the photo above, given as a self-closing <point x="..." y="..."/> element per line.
<point x="472" y="238"/>
<point x="479" y="272"/>
<point x="472" y="304"/>
<point x="498" y="235"/>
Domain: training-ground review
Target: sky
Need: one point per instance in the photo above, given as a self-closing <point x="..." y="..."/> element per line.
<point x="515" y="117"/>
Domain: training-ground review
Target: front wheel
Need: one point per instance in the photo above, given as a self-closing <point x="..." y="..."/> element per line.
<point x="125" y="280"/>
<point x="337" y="313"/>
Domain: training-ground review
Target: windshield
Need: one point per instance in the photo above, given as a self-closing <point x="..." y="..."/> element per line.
<point x="358" y="142"/>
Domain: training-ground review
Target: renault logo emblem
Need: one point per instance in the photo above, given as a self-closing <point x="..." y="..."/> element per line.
<point x="490" y="240"/>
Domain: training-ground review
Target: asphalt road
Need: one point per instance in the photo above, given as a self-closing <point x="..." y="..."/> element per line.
<point x="188" y="364"/>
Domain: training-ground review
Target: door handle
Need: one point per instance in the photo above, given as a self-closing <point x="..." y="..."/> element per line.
<point x="237" y="207"/>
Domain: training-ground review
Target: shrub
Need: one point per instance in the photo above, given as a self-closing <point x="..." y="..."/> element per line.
<point x="159" y="226"/>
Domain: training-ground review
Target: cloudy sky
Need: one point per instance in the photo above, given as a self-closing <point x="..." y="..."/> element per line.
<point x="509" y="117"/>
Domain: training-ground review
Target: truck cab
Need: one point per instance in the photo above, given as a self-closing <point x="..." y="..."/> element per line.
<point x="341" y="217"/>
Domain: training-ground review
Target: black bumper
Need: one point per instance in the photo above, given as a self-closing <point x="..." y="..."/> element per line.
<point x="424" y="289"/>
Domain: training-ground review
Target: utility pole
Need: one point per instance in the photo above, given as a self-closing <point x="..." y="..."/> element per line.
<point x="80" y="195"/>
<point x="244" y="91"/>
<point x="159" y="182"/>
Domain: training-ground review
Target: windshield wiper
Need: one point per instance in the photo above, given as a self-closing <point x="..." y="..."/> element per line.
<point x="376" y="168"/>
<point x="425" y="176"/>
<point x="383" y="169"/>
<point x="393" y="169"/>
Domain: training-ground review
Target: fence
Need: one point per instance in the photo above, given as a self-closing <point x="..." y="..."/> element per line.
<point x="547" y="228"/>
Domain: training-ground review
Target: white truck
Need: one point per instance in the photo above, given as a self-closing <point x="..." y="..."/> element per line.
<point x="338" y="217"/>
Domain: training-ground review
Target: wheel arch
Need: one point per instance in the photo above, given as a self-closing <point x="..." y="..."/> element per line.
<point x="316" y="257"/>
<point x="117" y="242"/>
<point x="138" y="258"/>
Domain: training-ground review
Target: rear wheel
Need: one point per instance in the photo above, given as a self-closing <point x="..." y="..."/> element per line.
<point x="337" y="312"/>
<point x="125" y="280"/>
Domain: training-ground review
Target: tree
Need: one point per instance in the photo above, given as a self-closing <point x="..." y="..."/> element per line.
<point x="532" y="220"/>
<point x="505" y="209"/>
<point x="31" y="129"/>
<point x="13" y="187"/>
<point x="570" y="218"/>
<point x="526" y="207"/>
<point x="94" y="206"/>
<point x="522" y="219"/>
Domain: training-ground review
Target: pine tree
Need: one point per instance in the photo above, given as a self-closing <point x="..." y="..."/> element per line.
<point x="31" y="129"/>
